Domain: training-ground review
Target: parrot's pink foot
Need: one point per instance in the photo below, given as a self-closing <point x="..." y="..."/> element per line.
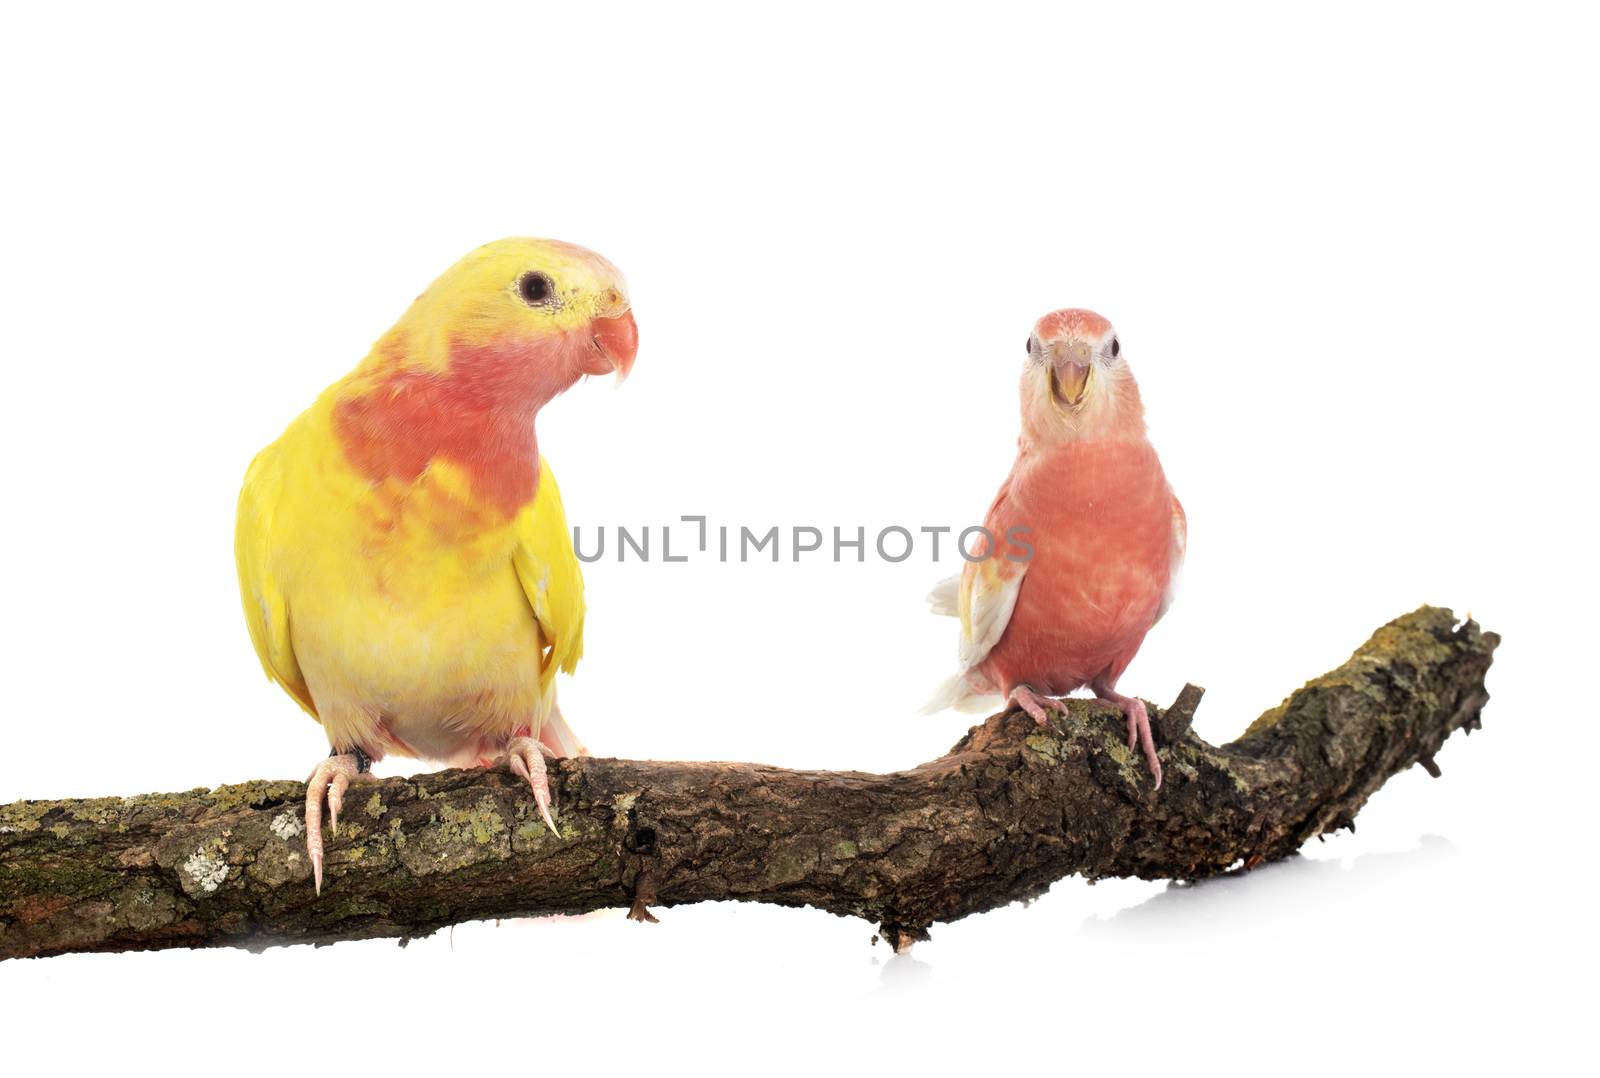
<point x="1036" y="705"/>
<point x="526" y="759"/>
<point x="1139" y="735"/>
<point x="329" y="778"/>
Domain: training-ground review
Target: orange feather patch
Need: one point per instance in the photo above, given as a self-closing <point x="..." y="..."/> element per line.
<point x="478" y="415"/>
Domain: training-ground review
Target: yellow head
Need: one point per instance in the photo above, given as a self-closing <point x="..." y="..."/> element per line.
<point x="520" y="311"/>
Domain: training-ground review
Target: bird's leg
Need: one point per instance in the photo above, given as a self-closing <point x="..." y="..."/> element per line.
<point x="330" y="778"/>
<point x="525" y="756"/>
<point x="1035" y="704"/>
<point x="1139" y="734"/>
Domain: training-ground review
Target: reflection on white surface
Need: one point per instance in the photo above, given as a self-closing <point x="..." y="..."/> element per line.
<point x="903" y="970"/>
<point x="1345" y="952"/>
<point x="1322" y="953"/>
<point x="1279" y="893"/>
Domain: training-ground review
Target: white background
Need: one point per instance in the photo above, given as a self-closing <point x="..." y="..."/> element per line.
<point x="1351" y="255"/>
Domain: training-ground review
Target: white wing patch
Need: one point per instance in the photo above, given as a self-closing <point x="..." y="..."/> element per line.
<point x="986" y="606"/>
<point x="945" y="598"/>
<point x="984" y="602"/>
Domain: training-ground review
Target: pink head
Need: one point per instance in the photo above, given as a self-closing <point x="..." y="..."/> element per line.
<point x="1076" y="382"/>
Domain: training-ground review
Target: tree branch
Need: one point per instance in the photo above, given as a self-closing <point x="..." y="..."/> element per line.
<point x="1007" y="812"/>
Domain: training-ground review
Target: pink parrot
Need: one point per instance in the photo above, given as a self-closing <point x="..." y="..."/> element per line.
<point x="1087" y="539"/>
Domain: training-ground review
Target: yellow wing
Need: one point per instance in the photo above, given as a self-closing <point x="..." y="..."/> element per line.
<point x="265" y="609"/>
<point x="551" y="578"/>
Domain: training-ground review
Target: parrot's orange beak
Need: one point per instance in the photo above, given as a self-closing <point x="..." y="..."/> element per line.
<point x="1069" y="382"/>
<point x="616" y="342"/>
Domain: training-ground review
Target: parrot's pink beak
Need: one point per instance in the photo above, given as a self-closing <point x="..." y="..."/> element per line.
<point x="616" y="342"/>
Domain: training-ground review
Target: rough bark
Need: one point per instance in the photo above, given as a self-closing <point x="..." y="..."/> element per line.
<point x="1012" y="808"/>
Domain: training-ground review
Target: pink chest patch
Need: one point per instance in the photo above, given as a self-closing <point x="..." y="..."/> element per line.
<point x="478" y="416"/>
<point x="1100" y="516"/>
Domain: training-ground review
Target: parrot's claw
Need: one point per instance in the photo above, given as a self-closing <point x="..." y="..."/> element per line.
<point x="1037" y="705"/>
<point x="526" y="756"/>
<point x="1139" y="734"/>
<point x="329" y="779"/>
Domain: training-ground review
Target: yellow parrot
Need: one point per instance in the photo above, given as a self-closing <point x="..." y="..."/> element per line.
<point x="404" y="560"/>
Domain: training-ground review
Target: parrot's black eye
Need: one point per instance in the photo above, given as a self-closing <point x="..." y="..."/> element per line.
<point x="535" y="289"/>
<point x="1116" y="347"/>
<point x="1033" y="346"/>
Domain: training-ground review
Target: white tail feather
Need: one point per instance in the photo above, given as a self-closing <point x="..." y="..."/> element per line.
<point x="559" y="736"/>
<point x="955" y="692"/>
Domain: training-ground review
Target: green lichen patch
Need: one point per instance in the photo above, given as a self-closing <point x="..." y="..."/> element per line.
<point x="1401" y="652"/>
<point x="69" y="821"/>
<point x="20" y="880"/>
<point x="526" y="834"/>
<point x="1118" y="750"/>
<point x="531" y="833"/>
<point x="260" y="794"/>
<point x="101" y="811"/>
<point x="1045" y="745"/>
<point x="24" y="815"/>
<point x="1268" y="719"/>
<point x="482" y="823"/>
<point x="457" y="837"/>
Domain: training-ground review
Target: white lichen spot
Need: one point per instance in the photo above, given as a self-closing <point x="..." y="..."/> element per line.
<point x="622" y="807"/>
<point x="286" y="825"/>
<point x="207" y="870"/>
